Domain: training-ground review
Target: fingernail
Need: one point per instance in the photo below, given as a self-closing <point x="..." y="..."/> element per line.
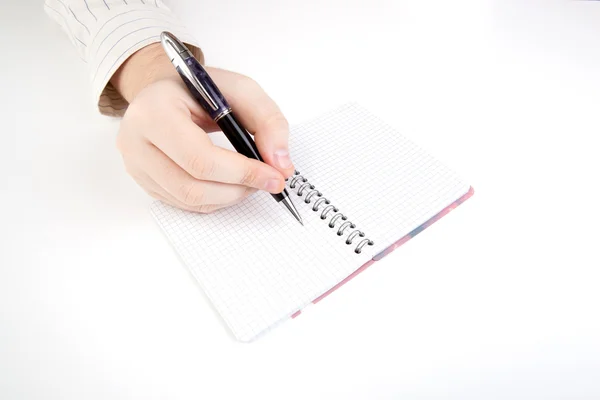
<point x="272" y="185"/>
<point x="282" y="158"/>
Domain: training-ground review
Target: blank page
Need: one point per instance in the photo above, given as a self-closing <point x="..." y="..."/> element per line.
<point x="258" y="266"/>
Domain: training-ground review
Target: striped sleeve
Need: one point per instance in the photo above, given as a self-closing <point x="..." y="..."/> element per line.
<point x="106" y="32"/>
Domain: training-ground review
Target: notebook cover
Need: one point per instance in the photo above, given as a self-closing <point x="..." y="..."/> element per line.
<point x="395" y="245"/>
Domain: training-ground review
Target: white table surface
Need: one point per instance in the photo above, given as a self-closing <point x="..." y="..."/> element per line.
<point x="498" y="300"/>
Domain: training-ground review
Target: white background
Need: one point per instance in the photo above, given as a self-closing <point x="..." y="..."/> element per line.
<point x="498" y="300"/>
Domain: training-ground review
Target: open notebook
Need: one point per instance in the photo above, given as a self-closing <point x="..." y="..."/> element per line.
<point x="362" y="190"/>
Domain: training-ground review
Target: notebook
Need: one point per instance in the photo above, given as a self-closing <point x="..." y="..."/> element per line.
<point x="362" y="190"/>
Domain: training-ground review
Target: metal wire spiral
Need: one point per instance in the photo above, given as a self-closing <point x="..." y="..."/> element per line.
<point x="304" y="187"/>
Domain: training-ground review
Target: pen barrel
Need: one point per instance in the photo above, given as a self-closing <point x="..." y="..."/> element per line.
<point x="207" y="94"/>
<point x="239" y="138"/>
<point x="243" y="143"/>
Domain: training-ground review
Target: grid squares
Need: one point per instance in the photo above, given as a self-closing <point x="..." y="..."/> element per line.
<point x="258" y="266"/>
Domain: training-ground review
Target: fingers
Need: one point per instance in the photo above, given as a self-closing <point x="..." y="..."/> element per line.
<point x="184" y="188"/>
<point x="203" y="209"/>
<point x="175" y="161"/>
<point x="158" y="192"/>
<point x="191" y="149"/>
<point x="260" y="115"/>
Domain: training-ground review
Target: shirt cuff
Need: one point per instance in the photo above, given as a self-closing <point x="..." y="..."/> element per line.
<point x="118" y="38"/>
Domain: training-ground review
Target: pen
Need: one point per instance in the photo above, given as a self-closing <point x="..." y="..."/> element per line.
<point x="213" y="102"/>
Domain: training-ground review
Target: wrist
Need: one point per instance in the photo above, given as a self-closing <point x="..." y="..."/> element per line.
<point x="147" y="65"/>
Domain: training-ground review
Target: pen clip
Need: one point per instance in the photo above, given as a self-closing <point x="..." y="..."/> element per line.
<point x="190" y="69"/>
<point x="179" y="54"/>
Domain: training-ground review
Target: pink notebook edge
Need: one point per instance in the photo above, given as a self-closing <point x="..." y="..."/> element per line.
<point x="394" y="246"/>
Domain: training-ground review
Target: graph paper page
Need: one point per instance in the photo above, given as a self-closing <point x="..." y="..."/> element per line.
<point x="255" y="262"/>
<point x="380" y="179"/>
<point x="258" y="266"/>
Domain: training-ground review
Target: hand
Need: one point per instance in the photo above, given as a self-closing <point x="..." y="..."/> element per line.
<point x="165" y="148"/>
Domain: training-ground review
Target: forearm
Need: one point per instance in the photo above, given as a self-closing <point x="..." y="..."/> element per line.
<point x="107" y="35"/>
<point x="147" y="65"/>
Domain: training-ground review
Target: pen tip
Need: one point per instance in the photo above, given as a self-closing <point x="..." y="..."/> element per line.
<point x="290" y="206"/>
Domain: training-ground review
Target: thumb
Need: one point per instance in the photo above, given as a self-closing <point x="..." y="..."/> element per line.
<point x="271" y="137"/>
<point x="260" y="115"/>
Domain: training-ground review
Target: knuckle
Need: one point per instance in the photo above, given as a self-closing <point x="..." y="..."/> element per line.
<point x="210" y="167"/>
<point x="195" y="165"/>
<point x="191" y="195"/>
<point x="200" y="167"/>
<point x="249" y="177"/>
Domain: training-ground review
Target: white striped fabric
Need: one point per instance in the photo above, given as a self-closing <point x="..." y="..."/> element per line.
<point x="106" y="32"/>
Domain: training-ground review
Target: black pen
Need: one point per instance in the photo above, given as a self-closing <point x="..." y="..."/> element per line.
<point x="212" y="101"/>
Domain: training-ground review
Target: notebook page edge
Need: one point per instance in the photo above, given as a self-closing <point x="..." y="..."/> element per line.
<point x="383" y="247"/>
<point x="240" y="334"/>
<point x="374" y="252"/>
<point x="378" y="255"/>
<point x="416" y="226"/>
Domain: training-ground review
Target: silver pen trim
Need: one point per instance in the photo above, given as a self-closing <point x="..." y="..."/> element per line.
<point x="177" y="52"/>
<point x="222" y="114"/>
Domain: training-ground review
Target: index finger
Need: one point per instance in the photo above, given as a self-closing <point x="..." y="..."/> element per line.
<point x="260" y="115"/>
<point x="190" y="147"/>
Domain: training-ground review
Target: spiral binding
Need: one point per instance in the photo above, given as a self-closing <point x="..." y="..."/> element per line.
<point x="310" y="193"/>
